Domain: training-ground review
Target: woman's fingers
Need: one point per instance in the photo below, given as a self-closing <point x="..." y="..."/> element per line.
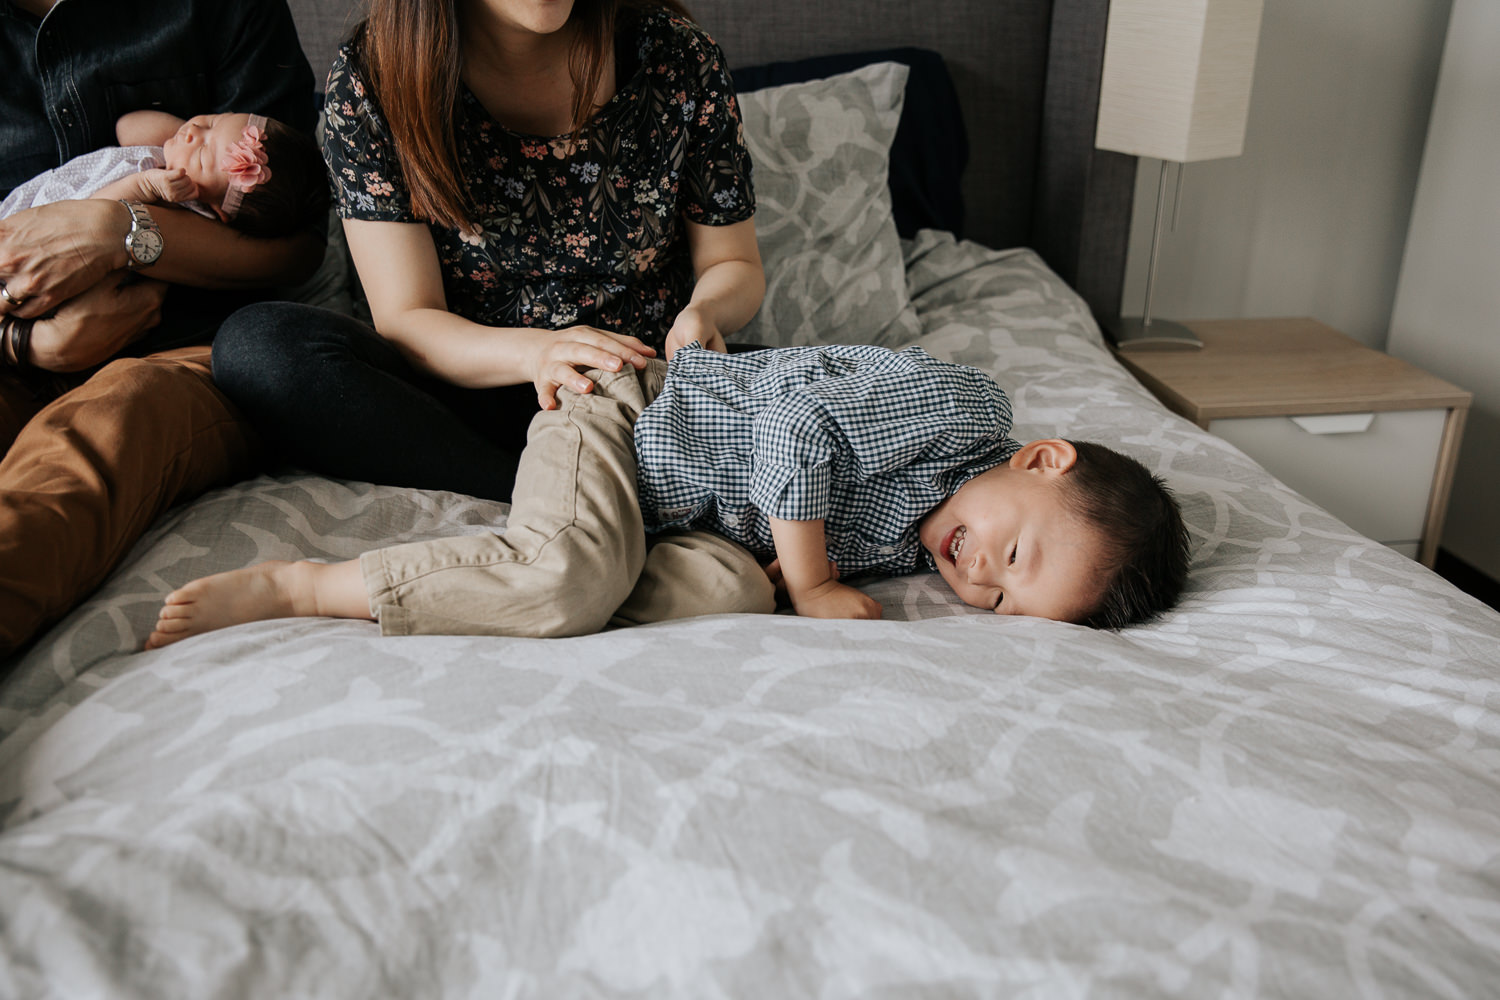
<point x="570" y="352"/>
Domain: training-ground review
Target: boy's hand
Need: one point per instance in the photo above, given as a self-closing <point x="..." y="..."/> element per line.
<point x="167" y="186"/>
<point x="831" y="599"/>
<point x="810" y="577"/>
<point x="778" y="581"/>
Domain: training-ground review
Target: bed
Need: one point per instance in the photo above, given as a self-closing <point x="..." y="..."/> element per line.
<point x="1286" y="787"/>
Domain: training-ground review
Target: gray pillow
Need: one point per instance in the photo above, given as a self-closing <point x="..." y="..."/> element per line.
<point x="821" y="151"/>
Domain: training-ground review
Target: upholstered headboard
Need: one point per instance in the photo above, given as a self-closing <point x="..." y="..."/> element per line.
<point x="1027" y="75"/>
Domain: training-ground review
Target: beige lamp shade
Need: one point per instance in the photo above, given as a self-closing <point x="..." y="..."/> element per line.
<point x="1176" y="80"/>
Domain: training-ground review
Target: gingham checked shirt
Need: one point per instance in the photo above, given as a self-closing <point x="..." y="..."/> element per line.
<point x="868" y="440"/>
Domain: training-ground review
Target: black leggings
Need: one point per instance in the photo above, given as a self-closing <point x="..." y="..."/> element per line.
<point x="330" y="394"/>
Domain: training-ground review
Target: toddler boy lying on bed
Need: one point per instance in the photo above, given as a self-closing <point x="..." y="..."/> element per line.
<point x="832" y="460"/>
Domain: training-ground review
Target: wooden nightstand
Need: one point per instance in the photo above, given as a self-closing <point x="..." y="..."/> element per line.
<point x="1366" y="436"/>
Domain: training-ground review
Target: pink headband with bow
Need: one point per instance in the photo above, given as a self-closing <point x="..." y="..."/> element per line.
<point x="245" y="163"/>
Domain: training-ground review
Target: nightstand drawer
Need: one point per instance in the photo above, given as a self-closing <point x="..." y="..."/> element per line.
<point x="1377" y="479"/>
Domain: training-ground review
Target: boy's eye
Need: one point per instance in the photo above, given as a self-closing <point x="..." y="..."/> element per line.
<point x="1012" y="560"/>
<point x="999" y="600"/>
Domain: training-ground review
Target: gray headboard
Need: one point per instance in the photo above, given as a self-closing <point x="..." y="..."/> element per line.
<point x="1027" y="74"/>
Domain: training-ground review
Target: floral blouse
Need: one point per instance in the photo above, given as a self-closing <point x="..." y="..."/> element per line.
<point x="570" y="233"/>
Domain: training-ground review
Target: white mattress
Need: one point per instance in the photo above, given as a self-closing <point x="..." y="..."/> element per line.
<point x="1287" y="787"/>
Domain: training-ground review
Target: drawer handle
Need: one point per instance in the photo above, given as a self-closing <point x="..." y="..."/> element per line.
<point x="1336" y="423"/>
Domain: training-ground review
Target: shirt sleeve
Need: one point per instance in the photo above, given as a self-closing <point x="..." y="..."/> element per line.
<point x="716" y="186"/>
<point x="262" y="69"/>
<point x="363" y="170"/>
<point x="794" y="441"/>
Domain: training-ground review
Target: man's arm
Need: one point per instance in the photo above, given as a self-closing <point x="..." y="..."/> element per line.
<point x="53" y="252"/>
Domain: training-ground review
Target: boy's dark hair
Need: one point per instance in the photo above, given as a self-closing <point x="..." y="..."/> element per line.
<point x="1140" y="524"/>
<point x="296" y="196"/>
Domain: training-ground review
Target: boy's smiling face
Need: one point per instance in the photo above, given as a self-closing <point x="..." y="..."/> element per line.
<point x="1008" y="541"/>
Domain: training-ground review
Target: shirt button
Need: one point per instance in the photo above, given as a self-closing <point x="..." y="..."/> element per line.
<point x="67" y="117"/>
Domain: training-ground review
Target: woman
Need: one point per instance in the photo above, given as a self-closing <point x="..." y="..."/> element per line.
<point x="529" y="188"/>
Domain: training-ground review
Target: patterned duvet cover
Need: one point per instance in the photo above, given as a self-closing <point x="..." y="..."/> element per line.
<point x="1288" y="787"/>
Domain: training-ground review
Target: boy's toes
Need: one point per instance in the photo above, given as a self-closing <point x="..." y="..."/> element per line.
<point x="171" y="611"/>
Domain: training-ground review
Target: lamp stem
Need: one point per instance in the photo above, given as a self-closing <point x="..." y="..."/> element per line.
<point x="1161" y="198"/>
<point x="1163" y="335"/>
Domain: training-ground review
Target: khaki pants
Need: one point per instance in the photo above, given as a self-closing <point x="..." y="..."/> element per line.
<point x="574" y="556"/>
<point x="91" y="462"/>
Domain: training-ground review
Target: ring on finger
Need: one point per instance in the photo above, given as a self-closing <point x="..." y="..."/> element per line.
<point x="9" y="298"/>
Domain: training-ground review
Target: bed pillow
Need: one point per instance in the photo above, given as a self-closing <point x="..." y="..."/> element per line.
<point x="931" y="147"/>
<point x="821" y="153"/>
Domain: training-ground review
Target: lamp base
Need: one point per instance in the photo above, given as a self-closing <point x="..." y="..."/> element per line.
<point x="1131" y="334"/>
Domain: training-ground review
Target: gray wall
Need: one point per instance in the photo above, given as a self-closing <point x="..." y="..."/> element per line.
<point x="1447" y="312"/>
<point x="1312" y="218"/>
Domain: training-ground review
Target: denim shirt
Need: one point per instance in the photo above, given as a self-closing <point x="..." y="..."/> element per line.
<point x="69" y="76"/>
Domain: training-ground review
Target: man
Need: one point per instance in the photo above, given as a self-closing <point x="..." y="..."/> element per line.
<point x="108" y="414"/>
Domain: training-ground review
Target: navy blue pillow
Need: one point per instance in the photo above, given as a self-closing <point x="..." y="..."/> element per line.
<point x="931" y="147"/>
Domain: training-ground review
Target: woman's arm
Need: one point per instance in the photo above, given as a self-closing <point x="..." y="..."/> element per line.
<point x="398" y="266"/>
<point x="730" y="285"/>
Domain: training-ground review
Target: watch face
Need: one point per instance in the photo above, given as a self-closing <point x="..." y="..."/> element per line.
<point x="145" y="246"/>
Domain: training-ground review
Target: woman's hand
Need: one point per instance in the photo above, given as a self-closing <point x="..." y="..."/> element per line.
<point x="52" y="253"/>
<point x="559" y="355"/>
<point x="694" y="324"/>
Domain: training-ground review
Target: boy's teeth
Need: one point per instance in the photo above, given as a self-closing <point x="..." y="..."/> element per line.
<point x="956" y="546"/>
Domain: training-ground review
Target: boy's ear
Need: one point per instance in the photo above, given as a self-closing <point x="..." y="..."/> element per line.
<point x="1052" y="456"/>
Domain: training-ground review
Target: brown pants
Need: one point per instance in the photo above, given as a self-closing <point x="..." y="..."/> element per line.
<point x="86" y="471"/>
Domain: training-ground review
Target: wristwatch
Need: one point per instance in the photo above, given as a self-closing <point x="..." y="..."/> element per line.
<point x="143" y="244"/>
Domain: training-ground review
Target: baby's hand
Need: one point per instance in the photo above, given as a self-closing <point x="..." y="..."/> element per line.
<point x="168" y="186"/>
<point x="831" y="599"/>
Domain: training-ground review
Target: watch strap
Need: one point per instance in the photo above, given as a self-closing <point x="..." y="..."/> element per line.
<point x="140" y="221"/>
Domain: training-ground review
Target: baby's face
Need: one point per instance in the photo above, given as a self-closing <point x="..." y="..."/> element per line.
<point x="198" y="148"/>
<point x="1007" y="541"/>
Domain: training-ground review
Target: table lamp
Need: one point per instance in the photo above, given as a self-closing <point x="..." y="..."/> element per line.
<point x="1175" y="87"/>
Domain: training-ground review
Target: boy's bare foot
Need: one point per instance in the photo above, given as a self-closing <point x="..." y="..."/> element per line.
<point x="265" y="590"/>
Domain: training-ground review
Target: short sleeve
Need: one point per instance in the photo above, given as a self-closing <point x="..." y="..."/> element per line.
<point x="362" y="165"/>
<point x="716" y="189"/>
<point x="794" y="441"/>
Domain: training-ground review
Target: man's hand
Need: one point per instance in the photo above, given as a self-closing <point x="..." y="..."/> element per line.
<point x="50" y="254"/>
<point x="94" y="326"/>
<point x="691" y="324"/>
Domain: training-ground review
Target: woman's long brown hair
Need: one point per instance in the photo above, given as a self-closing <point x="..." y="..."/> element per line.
<point x="413" y="62"/>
